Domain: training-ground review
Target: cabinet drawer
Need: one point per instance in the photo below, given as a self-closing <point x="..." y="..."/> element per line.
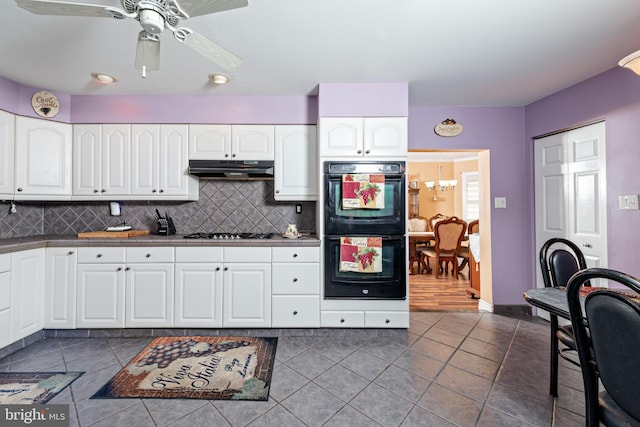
<point x="296" y="278"/>
<point x="289" y="311"/>
<point x="342" y="319"/>
<point x="150" y="254"/>
<point x="386" y="319"/>
<point x="101" y="255"/>
<point x="296" y="254"/>
<point x="199" y="254"/>
<point x="245" y="254"/>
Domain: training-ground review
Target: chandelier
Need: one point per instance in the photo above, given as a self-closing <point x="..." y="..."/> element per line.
<point x="440" y="185"/>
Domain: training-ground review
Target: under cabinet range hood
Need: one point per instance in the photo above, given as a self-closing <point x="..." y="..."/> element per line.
<point x="232" y="169"/>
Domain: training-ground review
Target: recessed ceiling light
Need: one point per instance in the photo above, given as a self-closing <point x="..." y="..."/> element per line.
<point x="103" y="78"/>
<point x="219" y="79"/>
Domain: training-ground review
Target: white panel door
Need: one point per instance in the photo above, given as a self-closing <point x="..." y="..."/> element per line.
<point x="100" y="300"/>
<point x="570" y="192"/>
<point x="5" y="300"/>
<point x="7" y="136"/>
<point x="385" y="136"/>
<point x="252" y="142"/>
<point x="198" y="295"/>
<point x="87" y="160"/>
<point x="296" y="163"/>
<point x="27" y="285"/>
<point x="247" y="295"/>
<point x="149" y="295"/>
<point x="116" y="159"/>
<point x="209" y="142"/>
<point x="145" y="159"/>
<point x="43" y="158"/>
<point x="60" y="288"/>
<point x="173" y="160"/>
<point x="340" y="136"/>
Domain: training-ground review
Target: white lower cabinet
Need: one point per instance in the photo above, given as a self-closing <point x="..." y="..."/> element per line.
<point x="386" y="319"/>
<point x="5" y="300"/>
<point x="60" y="288"/>
<point x="100" y="288"/>
<point x="247" y="287"/>
<point x="342" y="319"/>
<point x="27" y="283"/>
<point x="198" y="287"/>
<point x="296" y="287"/>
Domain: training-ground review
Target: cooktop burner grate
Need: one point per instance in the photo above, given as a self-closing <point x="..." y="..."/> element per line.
<point x="229" y="236"/>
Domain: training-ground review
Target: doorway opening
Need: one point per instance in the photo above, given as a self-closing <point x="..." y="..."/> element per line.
<point x="451" y="183"/>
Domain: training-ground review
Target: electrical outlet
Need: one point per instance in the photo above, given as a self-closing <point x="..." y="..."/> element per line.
<point x="298" y="208"/>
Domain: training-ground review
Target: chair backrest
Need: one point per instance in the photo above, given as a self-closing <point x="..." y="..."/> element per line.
<point x="473" y="227"/>
<point x="610" y="348"/>
<point x="418" y="223"/>
<point x="559" y="260"/>
<point x="435" y="219"/>
<point x="448" y="233"/>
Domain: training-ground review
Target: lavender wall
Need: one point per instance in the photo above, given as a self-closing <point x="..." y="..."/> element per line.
<point x="363" y="99"/>
<point x="500" y="130"/>
<point x="615" y="97"/>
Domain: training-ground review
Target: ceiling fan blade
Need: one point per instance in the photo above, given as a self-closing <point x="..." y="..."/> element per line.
<point x="147" y="52"/>
<point x="204" y="7"/>
<point x="210" y="50"/>
<point x="47" y="7"/>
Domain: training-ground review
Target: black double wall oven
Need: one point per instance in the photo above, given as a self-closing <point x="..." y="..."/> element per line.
<point x="347" y="225"/>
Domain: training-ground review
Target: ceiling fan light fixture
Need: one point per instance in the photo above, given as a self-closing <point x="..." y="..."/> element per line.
<point x="219" y="79"/>
<point x="103" y="78"/>
<point x="632" y="62"/>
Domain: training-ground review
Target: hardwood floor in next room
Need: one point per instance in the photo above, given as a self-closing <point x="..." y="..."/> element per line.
<point x="428" y="293"/>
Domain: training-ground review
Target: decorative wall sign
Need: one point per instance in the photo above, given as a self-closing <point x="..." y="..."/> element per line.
<point x="45" y="104"/>
<point x="448" y="127"/>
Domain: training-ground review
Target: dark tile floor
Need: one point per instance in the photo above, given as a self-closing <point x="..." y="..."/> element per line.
<point x="448" y="369"/>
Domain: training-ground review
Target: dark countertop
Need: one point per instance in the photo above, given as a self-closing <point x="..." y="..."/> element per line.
<point x="56" y="240"/>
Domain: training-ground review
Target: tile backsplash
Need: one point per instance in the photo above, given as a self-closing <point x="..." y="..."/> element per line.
<point x="224" y="206"/>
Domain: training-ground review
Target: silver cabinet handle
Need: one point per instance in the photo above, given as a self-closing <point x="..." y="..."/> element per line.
<point x="359" y="151"/>
<point x="154" y="190"/>
<point x="587" y="245"/>
<point x="95" y="191"/>
<point x="127" y="268"/>
<point x="70" y="253"/>
<point x="147" y="256"/>
<point x="99" y="256"/>
<point x="119" y="269"/>
<point x="367" y="152"/>
<point x="161" y="190"/>
<point x="295" y="279"/>
<point x="295" y="313"/>
<point x="19" y="188"/>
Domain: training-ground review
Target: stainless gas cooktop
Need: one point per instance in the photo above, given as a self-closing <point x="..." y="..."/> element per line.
<point x="229" y="236"/>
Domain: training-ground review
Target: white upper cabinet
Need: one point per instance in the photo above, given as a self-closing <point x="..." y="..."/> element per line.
<point x="296" y="164"/>
<point x="159" y="163"/>
<point x="7" y="135"/>
<point x="231" y="142"/>
<point x="101" y="161"/>
<point x="42" y="159"/>
<point x="362" y="137"/>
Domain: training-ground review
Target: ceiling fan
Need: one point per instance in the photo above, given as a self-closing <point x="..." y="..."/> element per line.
<point x="154" y="16"/>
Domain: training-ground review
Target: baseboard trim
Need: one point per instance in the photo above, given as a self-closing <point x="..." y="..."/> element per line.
<point x="520" y="311"/>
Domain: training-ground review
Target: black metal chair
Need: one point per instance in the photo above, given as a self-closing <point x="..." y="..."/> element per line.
<point x="559" y="260"/>
<point x="607" y="333"/>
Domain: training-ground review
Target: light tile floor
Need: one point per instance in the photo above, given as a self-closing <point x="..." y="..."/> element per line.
<point x="447" y="369"/>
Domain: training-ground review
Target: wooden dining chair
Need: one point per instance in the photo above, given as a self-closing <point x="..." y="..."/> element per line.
<point x="559" y="260"/>
<point x="435" y="219"/>
<point x="448" y="237"/>
<point x="417" y="224"/>
<point x="608" y="344"/>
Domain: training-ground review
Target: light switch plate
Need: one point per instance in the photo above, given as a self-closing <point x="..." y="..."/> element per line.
<point x="500" y="202"/>
<point x="628" y="202"/>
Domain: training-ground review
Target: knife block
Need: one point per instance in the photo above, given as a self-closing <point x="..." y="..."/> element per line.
<point x="166" y="226"/>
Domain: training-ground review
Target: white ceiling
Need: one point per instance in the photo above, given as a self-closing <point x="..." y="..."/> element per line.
<point x="451" y="52"/>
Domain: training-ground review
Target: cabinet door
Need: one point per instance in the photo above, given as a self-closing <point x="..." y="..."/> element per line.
<point x="247" y="295"/>
<point x="5" y="300"/>
<point x="174" y="161"/>
<point x="198" y="295"/>
<point x="145" y="159"/>
<point x="27" y="284"/>
<point x="43" y="159"/>
<point x="60" y="288"/>
<point x="87" y="160"/>
<point x="296" y="163"/>
<point x="149" y="295"/>
<point x="252" y="142"/>
<point x="210" y="142"/>
<point x="340" y="136"/>
<point x="100" y="301"/>
<point x="7" y="136"/>
<point x="116" y="160"/>
<point x="385" y="136"/>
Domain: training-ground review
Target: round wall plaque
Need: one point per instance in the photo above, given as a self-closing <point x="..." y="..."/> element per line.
<point x="448" y="127"/>
<point x="45" y="104"/>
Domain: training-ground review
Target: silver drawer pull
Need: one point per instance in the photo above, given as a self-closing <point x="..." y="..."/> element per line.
<point x="99" y="256"/>
<point x="387" y="321"/>
<point x="295" y="255"/>
<point x="147" y="256"/>
<point x="341" y="320"/>
<point x="587" y="245"/>
<point x="295" y="279"/>
<point x="295" y="313"/>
